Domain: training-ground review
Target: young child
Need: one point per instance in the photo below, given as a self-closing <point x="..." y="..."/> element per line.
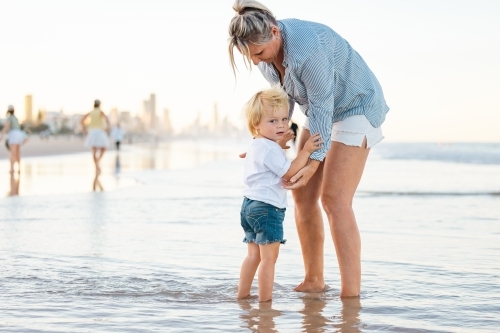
<point x="264" y="203"/>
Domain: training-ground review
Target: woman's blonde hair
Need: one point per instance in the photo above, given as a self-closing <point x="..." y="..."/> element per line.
<point x="264" y="101"/>
<point x="251" y="24"/>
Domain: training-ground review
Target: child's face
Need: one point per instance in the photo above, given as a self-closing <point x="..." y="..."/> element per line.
<point x="273" y="125"/>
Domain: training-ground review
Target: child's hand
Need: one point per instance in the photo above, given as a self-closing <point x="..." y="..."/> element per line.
<point x="243" y="155"/>
<point x="313" y="143"/>
<point x="286" y="137"/>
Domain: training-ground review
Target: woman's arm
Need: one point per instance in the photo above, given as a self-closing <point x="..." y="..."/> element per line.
<point x="108" y="126"/>
<point x="303" y="176"/>
<point x="82" y="121"/>
<point x="5" y="129"/>
<point x="317" y="75"/>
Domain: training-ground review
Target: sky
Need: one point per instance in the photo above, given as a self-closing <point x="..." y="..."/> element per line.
<point x="437" y="60"/>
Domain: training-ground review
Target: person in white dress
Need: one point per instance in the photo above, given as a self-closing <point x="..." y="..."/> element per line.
<point x="97" y="133"/>
<point x="16" y="138"/>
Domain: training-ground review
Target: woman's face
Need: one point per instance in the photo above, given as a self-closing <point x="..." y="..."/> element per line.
<point x="267" y="52"/>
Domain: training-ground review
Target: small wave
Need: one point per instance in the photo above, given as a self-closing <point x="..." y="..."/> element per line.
<point x="468" y="153"/>
<point x="423" y="194"/>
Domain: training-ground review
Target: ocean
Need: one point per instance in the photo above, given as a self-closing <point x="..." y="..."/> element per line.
<point x="154" y="244"/>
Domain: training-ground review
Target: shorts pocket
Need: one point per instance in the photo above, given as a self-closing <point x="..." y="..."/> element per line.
<point x="258" y="219"/>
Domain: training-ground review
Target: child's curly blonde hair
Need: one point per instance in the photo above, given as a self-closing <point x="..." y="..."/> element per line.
<point x="264" y="101"/>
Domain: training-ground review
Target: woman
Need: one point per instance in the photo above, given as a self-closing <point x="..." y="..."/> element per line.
<point x="343" y="101"/>
<point x="97" y="137"/>
<point x="16" y="138"/>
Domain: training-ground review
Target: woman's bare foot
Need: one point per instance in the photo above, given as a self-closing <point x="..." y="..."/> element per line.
<point x="311" y="287"/>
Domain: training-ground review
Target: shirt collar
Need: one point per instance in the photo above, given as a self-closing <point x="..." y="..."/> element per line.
<point x="285" y="44"/>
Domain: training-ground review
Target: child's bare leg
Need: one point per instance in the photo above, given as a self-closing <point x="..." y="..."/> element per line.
<point x="248" y="269"/>
<point x="269" y="255"/>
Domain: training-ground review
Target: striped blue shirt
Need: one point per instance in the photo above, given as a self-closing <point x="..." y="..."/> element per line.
<point x="326" y="77"/>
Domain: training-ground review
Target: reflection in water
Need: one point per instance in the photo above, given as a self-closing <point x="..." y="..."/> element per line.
<point x="349" y="320"/>
<point x="117" y="164"/>
<point x="259" y="319"/>
<point x="313" y="319"/>
<point x="14" y="184"/>
<point x="70" y="173"/>
<point x="96" y="185"/>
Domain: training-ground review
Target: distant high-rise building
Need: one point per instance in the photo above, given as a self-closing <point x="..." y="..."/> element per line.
<point x="149" y="112"/>
<point x="152" y="109"/>
<point x="113" y="116"/>
<point x="28" y="108"/>
<point x="125" y="118"/>
<point x="167" y="125"/>
<point x="214" y="124"/>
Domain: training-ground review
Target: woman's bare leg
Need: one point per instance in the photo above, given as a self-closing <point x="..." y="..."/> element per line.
<point x="97" y="154"/>
<point x="309" y="222"/>
<point x="342" y="172"/>
<point x="102" y="151"/>
<point x="248" y="269"/>
<point x="95" y="158"/>
<point x="15" y="157"/>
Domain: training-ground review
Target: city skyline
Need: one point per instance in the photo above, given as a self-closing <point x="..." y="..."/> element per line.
<point x="436" y="61"/>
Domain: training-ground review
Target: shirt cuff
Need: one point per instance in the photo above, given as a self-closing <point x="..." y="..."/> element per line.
<point x="318" y="156"/>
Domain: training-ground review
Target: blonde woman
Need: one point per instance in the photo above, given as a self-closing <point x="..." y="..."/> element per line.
<point x="16" y="137"/>
<point x="343" y="101"/>
<point x="97" y="133"/>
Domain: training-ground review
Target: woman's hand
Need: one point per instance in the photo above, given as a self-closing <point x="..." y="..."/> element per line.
<point x="302" y="177"/>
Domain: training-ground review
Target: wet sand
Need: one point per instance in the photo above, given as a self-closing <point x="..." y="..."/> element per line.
<point x="52" y="146"/>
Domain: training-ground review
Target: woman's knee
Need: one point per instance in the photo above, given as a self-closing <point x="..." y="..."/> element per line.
<point x="306" y="196"/>
<point x="336" y="203"/>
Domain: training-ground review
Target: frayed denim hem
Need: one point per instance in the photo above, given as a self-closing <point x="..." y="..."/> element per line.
<point x="282" y="241"/>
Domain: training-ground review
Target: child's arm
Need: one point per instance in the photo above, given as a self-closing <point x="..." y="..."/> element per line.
<point x="312" y="144"/>
<point x="282" y="142"/>
<point x="286" y="137"/>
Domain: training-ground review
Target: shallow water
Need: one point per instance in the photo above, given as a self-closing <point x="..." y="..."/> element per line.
<point x="162" y="252"/>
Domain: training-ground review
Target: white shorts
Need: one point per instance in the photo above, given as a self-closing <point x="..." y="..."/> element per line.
<point x="353" y="130"/>
<point x="97" y="138"/>
<point x="16" y="137"/>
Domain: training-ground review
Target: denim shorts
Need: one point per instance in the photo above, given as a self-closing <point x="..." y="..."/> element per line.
<point x="262" y="222"/>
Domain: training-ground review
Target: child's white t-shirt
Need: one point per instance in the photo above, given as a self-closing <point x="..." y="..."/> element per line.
<point x="265" y="164"/>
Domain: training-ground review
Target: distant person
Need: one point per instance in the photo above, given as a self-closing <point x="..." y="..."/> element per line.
<point x="97" y="137"/>
<point x="16" y="138"/>
<point x="117" y="134"/>
<point x="265" y="199"/>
